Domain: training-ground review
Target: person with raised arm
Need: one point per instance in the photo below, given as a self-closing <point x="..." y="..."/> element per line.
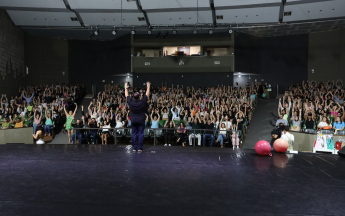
<point x="69" y="117"/>
<point x="138" y="110"/>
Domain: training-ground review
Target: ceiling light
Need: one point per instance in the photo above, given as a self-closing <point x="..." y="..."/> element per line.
<point x="239" y="75"/>
<point x="114" y="32"/>
<point x="230" y="31"/>
<point x="149" y="32"/>
<point x="210" y="31"/>
<point x="195" y="31"/>
<point x="249" y="76"/>
<point x="96" y="31"/>
<point x="174" y="32"/>
<point x="132" y="32"/>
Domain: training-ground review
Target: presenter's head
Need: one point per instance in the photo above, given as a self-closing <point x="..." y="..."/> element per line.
<point x="136" y="96"/>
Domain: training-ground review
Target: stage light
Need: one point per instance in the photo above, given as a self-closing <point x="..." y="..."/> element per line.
<point x="230" y="31"/>
<point x="149" y="32"/>
<point x="195" y="31"/>
<point x="210" y="31"/>
<point x="174" y="32"/>
<point x="114" y="32"/>
<point x="132" y="32"/>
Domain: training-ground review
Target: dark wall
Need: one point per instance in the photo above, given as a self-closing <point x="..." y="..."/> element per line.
<point x="12" y="65"/>
<point x="278" y="60"/>
<point x="189" y="79"/>
<point x="327" y="55"/>
<point x="247" y="53"/>
<point x="91" y="62"/>
<point x="46" y="60"/>
<point x="284" y="60"/>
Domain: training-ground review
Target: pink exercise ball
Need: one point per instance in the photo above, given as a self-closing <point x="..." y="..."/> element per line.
<point x="263" y="148"/>
<point x="280" y="145"/>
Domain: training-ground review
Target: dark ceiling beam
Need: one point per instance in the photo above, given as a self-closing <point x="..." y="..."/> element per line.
<point x="281" y="11"/>
<point x="144" y="12"/>
<point x="214" y="18"/>
<point x="76" y="13"/>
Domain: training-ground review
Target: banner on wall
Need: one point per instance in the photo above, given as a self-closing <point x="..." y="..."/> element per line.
<point x="324" y="143"/>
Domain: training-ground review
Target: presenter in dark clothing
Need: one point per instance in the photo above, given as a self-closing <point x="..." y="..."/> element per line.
<point x="138" y="110"/>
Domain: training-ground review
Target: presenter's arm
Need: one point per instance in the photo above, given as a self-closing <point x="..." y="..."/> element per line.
<point x="126" y="90"/>
<point x="148" y="85"/>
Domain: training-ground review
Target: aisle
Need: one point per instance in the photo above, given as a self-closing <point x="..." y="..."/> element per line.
<point x="260" y="127"/>
<point x="63" y="138"/>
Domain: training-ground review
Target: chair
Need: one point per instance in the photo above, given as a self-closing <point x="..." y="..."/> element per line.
<point x="129" y="133"/>
<point x="146" y="132"/>
<point x="310" y="131"/>
<point x="161" y="123"/>
<point x="341" y="132"/>
<point x="327" y="131"/>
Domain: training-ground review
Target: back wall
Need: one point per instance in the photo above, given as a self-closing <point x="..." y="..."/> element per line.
<point x="91" y="62"/>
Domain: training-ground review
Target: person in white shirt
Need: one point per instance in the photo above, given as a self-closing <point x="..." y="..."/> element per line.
<point x="119" y="124"/>
<point x="175" y="114"/>
<point x="324" y="123"/>
<point x="290" y="138"/>
<point x="105" y="132"/>
<point x="227" y="122"/>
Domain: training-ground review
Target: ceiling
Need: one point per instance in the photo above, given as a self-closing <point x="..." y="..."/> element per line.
<point x="78" y="18"/>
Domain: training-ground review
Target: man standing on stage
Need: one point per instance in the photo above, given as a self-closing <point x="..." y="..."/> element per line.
<point x="138" y="109"/>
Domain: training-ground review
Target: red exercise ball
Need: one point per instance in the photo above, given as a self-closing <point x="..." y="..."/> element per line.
<point x="263" y="148"/>
<point x="280" y="145"/>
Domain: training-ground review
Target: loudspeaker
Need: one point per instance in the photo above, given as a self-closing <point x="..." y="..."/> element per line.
<point x="341" y="152"/>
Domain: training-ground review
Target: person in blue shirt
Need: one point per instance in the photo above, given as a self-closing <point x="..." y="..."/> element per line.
<point x="281" y="120"/>
<point x="338" y="125"/>
<point x="155" y="121"/>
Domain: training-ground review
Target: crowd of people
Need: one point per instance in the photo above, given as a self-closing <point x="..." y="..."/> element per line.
<point x="311" y="106"/>
<point x="214" y="113"/>
<point x="42" y="107"/>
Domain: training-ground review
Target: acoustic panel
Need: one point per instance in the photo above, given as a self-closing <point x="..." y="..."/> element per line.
<point x="164" y="4"/>
<point x="225" y="3"/>
<point x="177" y="18"/>
<point x="249" y="15"/>
<point x="34" y="18"/>
<point x="33" y="3"/>
<point x="316" y="10"/>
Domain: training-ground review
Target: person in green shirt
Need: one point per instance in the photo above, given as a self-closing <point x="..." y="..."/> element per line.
<point x="29" y="108"/>
<point x="5" y="124"/>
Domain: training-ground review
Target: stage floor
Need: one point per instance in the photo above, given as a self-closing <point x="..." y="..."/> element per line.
<point x="112" y="180"/>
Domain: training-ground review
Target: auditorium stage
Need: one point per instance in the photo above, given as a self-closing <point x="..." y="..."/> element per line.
<point x="112" y="180"/>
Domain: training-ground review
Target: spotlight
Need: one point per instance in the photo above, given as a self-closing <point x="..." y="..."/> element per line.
<point x="149" y="32"/>
<point x="174" y="32"/>
<point x="239" y="75"/>
<point x="249" y="77"/>
<point x="132" y="32"/>
<point x="114" y="32"/>
<point x="195" y="31"/>
<point x="230" y="31"/>
<point x="210" y="31"/>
